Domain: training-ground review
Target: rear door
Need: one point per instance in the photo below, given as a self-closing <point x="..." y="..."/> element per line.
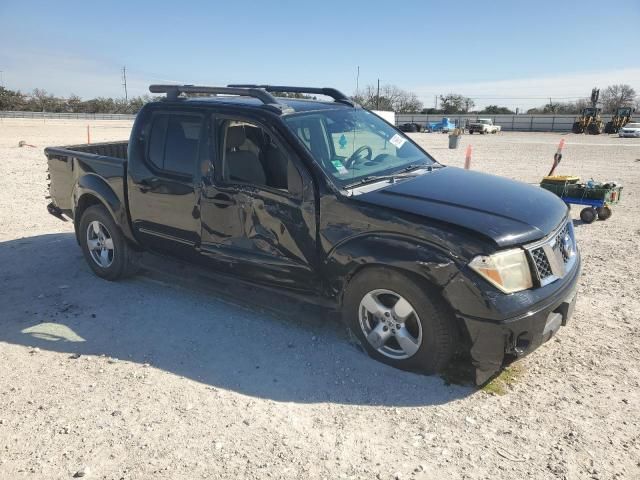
<point x="163" y="186"/>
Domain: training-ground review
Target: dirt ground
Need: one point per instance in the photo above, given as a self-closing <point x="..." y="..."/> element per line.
<point x="158" y="378"/>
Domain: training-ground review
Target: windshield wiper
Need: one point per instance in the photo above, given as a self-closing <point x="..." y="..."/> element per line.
<point x="406" y="172"/>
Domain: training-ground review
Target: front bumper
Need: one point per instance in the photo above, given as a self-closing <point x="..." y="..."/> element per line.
<point x="492" y="340"/>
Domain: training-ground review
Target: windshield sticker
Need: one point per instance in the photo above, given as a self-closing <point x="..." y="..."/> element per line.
<point x="340" y="167"/>
<point x="397" y="141"/>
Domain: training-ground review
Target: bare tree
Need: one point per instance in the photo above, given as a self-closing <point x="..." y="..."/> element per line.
<point x="616" y="96"/>
<point x="390" y="98"/>
<point x="456" y="103"/>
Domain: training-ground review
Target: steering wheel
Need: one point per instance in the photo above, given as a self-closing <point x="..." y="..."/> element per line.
<point x="359" y="156"/>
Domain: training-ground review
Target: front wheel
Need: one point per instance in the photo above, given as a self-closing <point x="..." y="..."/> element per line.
<point x="399" y="322"/>
<point x="609" y="128"/>
<point x="594" y="129"/>
<point x="104" y="247"/>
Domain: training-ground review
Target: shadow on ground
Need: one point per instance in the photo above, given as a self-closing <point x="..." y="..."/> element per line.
<point x="233" y="337"/>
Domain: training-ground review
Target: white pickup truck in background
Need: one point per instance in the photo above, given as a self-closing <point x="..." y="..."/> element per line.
<point x="483" y="125"/>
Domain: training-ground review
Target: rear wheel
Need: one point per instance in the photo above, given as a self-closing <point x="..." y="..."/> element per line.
<point x="604" y="212"/>
<point x="104" y="247"/>
<point x="398" y="322"/>
<point x="588" y="215"/>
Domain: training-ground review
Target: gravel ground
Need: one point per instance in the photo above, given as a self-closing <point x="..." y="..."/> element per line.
<point x="158" y="377"/>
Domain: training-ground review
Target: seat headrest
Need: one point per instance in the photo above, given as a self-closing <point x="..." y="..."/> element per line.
<point x="235" y="137"/>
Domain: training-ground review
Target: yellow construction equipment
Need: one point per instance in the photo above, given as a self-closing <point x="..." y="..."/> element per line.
<point x="589" y="121"/>
<point x="619" y="120"/>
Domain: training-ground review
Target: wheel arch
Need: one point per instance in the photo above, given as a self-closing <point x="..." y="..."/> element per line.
<point x="93" y="190"/>
<point x="426" y="264"/>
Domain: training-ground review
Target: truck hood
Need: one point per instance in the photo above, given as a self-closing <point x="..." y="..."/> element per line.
<point x="506" y="211"/>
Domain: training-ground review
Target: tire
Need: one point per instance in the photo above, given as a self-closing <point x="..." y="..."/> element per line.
<point x="604" y="213"/>
<point x="470" y="132"/>
<point x="594" y="129"/>
<point x="588" y="215"/>
<point x="120" y="260"/>
<point x="608" y="128"/>
<point x="576" y="128"/>
<point x="429" y="330"/>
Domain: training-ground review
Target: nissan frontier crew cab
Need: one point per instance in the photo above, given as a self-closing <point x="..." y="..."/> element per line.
<point x="325" y="200"/>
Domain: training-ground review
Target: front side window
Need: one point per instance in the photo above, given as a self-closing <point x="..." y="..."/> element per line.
<point x="174" y="142"/>
<point x="251" y="156"/>
<point x="353" y="144"/>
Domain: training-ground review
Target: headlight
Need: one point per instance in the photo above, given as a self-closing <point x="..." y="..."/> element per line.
<point x="508" y="270"/>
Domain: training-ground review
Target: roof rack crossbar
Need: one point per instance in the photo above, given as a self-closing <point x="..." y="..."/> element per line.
<point x="337" y="95"/>
<point x="173" y="91"/>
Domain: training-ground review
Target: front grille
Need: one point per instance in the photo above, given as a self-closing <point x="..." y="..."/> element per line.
<point x="542" y="264"/>
<point x="564" y="231"/>
<point x="555" y="255"/>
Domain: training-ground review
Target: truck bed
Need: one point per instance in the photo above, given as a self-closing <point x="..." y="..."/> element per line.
<point x="71" y="165"/>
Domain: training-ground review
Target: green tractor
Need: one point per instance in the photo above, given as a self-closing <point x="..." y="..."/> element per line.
<point x="619" y="120"/>
<point x="589" y="121"/>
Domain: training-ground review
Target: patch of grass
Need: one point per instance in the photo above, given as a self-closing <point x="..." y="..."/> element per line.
<point x="500" y="384"/>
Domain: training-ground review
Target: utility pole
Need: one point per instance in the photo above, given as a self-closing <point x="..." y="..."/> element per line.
<point x="124" y="84"/>
<point x="378" y="97"/>
<point x="436" y="97"/>
<point x="2" y="78"/>
<point x="358" y="81"/>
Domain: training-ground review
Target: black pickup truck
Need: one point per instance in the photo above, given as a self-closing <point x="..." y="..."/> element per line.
<point x="326" y="200"/>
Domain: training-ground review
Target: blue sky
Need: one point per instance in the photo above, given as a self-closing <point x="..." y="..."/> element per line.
<point x="498" y="52"/>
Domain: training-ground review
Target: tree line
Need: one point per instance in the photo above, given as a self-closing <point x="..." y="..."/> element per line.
<point x="388" y="97"/>
<point x="612" y="98"/>
<point x="41" y="101"/>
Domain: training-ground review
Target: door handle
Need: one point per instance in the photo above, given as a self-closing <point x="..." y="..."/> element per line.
<point x="223" y="201"/>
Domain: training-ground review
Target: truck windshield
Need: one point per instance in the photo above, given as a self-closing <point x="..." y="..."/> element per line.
<point x="352" y="145"/>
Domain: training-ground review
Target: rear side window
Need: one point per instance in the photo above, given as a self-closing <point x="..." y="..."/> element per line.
<point x="174" y="141"/>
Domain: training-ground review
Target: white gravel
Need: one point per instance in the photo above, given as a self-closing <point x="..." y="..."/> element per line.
<point x="158" y="378"/>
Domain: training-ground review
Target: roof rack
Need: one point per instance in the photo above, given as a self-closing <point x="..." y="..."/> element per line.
<point x="173" y="91"/>
<point x="337" y="95"/>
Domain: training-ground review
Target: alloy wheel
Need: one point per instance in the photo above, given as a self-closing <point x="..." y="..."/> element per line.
<point x="100" y="244"/>
<point x="390" y="324"/>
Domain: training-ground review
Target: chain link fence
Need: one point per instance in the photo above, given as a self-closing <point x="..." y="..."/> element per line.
<point x="515" y="123"/>
<point x="67" y="116"/>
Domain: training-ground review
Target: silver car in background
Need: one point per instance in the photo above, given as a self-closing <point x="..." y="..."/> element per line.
<point x="630" y="130"/>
